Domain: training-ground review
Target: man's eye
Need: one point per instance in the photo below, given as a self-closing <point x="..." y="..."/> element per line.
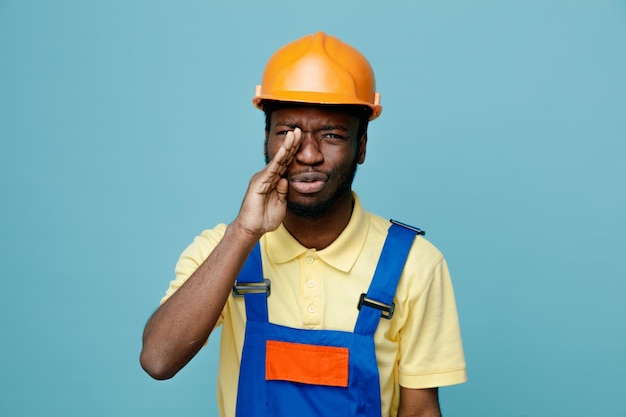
<point x="333" y="136"/>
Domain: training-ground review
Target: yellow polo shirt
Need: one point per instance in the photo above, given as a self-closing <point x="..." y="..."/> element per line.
<point x="420" y="347"/>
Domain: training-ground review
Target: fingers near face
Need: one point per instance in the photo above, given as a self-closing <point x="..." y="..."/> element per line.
<point x="285" y="153"/>
<point x="292" y="140"/>
<point x="291" y="145"/>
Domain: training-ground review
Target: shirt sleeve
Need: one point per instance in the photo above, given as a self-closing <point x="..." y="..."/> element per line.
<point x="431" y="350"/>
<point x="193" y="256"/>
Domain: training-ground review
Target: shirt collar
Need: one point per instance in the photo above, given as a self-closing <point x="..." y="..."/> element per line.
<point x="341" y="254"/>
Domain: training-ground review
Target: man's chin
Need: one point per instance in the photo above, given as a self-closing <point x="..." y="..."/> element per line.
<point x="312" y="210"/>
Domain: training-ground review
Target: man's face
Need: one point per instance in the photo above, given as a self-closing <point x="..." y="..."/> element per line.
<point x="325" y="164"/>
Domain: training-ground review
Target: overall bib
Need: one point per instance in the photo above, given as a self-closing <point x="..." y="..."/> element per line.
<point x="307" y="373"/>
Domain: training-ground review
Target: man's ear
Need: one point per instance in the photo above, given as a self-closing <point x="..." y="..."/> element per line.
<point x="361" y="150"/>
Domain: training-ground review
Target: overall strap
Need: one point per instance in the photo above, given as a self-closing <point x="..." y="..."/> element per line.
<point x="378" y="302"/>
<point x="251" y="285"/>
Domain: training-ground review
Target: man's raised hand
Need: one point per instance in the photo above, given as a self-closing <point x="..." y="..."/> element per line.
<point x="265" y="203"/>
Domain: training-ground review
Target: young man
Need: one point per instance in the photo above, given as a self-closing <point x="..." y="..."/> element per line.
<point x="325" y="309"/>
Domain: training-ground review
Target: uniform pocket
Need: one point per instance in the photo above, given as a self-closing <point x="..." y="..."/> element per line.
<point x="307" y="364"/>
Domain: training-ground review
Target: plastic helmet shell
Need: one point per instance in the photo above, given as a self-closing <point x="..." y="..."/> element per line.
<point x="319" y="69"/>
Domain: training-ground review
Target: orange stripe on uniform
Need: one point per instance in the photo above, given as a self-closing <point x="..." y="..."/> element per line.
<point x="307" y="364"/>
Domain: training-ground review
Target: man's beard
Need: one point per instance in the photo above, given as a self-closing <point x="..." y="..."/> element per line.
<point x="319" y="209"/>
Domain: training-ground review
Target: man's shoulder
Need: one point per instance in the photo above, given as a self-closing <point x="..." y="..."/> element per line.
<point x="427" y="250"/>
<point x="205" y="242"/>
<point x="217" y="232"/>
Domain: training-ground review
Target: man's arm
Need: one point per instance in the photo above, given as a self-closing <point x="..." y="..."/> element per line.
<point x="419" y="402"/>
<point x="181" y="326"/>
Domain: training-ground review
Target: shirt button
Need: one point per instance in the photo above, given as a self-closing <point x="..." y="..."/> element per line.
<point x="309" y="259"/>
<point x="312" y="309"/>
<point x="311" y="283"/>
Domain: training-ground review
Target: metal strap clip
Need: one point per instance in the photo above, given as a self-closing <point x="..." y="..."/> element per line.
<point x="415" y="229"/>
<point x="243" y="288"/>
<point x="386" y="310"/>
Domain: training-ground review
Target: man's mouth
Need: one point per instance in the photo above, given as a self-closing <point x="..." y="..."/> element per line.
<point x="308" y="182"/>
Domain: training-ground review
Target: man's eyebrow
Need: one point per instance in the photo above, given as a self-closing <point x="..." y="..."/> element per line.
<point x="290" y="125"/>
<point x="334" y="127"/>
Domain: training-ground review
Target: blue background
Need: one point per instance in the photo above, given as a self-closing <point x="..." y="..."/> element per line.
<point x="126" y="128"/>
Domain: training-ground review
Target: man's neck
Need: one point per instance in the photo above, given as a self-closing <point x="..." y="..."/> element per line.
<point x="318" y="233"/>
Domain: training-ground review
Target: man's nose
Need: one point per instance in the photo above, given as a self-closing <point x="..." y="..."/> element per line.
<point x="309" y="152"/>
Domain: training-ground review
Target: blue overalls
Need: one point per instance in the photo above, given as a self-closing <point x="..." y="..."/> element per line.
<point x="306" y="373"/>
